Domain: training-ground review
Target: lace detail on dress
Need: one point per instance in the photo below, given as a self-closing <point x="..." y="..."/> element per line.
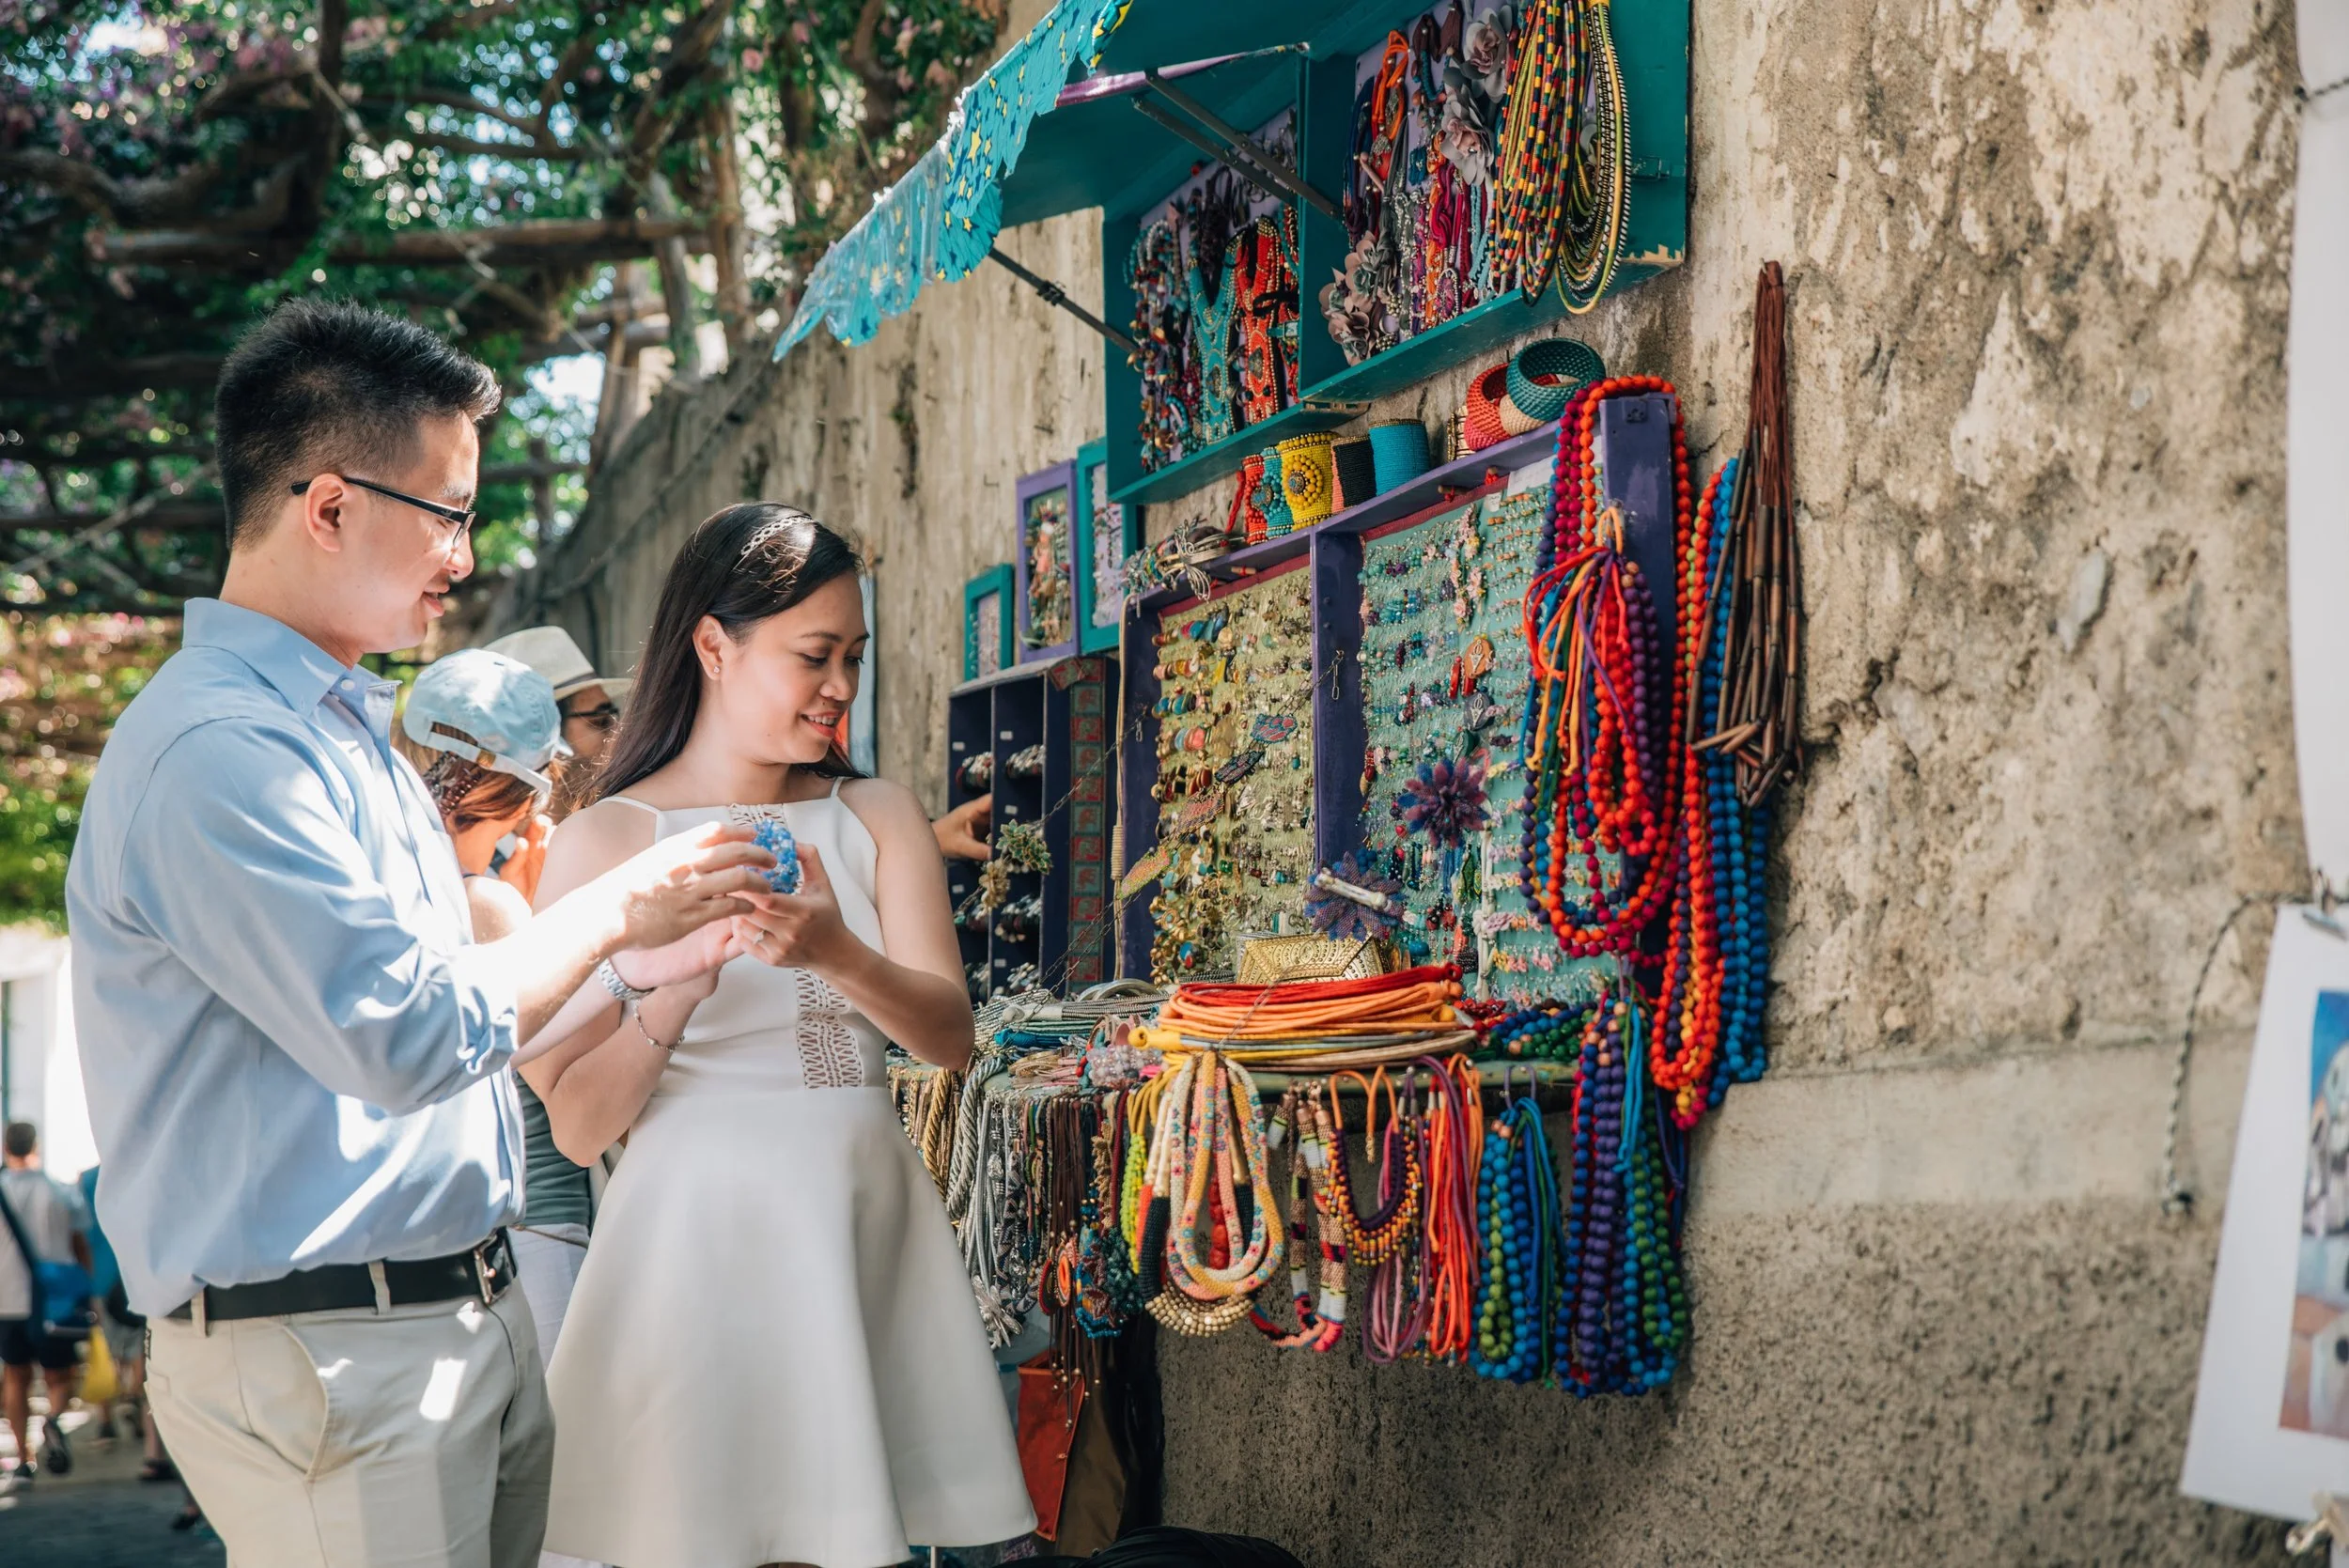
<point x="830" y="1057"/>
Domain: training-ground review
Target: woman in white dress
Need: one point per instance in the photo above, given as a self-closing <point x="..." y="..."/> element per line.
<point x="772" y="1355"/>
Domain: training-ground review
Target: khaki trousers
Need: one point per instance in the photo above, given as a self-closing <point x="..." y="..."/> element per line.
<point x="416" y="1437"/>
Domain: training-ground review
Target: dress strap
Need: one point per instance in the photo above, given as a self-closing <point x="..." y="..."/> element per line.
<point x="631" y="800"/>
<point x="835" y="790"/>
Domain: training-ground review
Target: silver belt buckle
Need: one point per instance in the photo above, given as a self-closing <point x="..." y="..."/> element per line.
<point x="481" y="1271"/>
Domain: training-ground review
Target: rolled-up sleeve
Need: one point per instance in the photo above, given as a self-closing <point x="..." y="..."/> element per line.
<point x="242" y="859"/>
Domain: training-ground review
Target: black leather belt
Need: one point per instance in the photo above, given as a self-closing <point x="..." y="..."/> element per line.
<point x="480" y="1272"/>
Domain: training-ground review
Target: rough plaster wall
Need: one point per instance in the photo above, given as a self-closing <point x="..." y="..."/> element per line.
<point x="2036" y="256"/>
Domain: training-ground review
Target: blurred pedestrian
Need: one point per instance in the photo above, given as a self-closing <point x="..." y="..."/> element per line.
<point x="295" y="1061"/>
<point x="42" y="1217"/>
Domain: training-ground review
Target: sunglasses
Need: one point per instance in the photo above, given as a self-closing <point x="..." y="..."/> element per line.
<point x="460" y="519"/>
<point x="603" y="716"/>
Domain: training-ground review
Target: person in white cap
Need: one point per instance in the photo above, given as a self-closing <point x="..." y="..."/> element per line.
<point x="590" y="702"/>
<point x="486" y="733"/>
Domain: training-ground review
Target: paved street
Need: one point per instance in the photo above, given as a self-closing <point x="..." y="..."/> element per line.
<point x="99" y="1516"/>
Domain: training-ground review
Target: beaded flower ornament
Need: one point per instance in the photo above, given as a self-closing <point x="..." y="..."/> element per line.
<point x="1446" y="802"/>
<point x="1344" y="918"/>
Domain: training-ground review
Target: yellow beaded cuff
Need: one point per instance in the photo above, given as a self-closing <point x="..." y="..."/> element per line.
<point x="1309" y="477"/>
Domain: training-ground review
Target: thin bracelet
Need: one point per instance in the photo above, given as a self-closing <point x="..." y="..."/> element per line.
<point x="636" y="1015"/>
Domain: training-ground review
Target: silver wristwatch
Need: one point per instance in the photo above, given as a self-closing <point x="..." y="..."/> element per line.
<point x="617" y="986"/>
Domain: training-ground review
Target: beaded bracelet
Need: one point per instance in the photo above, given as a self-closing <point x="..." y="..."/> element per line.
<point x="1308" y="477"/>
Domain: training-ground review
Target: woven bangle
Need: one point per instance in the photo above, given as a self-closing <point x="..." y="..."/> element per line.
<point x="1481" y="427"/>
<point x="1357" y="476"/>
<point x="1544" y="375"/>
<point x="1515" y="420"/>
<point x="1309" y="477"/>
<point x="1398" y="451"/>
<point x="1272" y="496"/>
<point x="1246" y="518"/>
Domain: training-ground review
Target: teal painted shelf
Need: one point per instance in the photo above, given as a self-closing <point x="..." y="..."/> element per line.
<point x="1210" y="463"/>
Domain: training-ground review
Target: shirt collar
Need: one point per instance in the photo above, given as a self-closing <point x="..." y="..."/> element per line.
<point x="302" y="672"/>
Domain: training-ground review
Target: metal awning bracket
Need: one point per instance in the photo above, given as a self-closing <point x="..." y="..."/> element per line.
<point x="1053" y="294"/>
<point x="1236" y="148"/>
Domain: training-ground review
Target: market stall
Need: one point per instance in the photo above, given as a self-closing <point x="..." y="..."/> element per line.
<point x="1380" y="891"/>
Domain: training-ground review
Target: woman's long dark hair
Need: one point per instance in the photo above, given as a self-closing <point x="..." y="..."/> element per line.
<point x="739" y="566"/>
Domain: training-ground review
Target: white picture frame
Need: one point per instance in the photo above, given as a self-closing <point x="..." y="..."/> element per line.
<point x="2240" y="1451"/>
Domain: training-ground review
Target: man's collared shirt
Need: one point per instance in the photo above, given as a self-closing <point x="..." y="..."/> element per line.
<point x="292" y="1055"/>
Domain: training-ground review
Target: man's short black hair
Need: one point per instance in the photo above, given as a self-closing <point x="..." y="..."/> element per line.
<point x="327" y="386"/>
<point x="20" y="1140"/>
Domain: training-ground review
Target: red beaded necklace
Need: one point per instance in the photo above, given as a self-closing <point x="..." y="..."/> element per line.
<point x="1593" y="743"/>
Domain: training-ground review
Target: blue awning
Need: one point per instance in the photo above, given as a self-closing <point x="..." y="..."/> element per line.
<point x="939" y="221"/>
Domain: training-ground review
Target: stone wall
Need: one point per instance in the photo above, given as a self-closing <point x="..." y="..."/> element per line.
<point x="2037" y="267"/>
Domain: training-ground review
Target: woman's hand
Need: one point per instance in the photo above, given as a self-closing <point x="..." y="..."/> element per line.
<point x="800" y="930"/>
<point x="522" y="868"/>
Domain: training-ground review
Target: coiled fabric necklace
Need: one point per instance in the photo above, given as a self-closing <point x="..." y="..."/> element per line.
<point x="1320" y="1325"/>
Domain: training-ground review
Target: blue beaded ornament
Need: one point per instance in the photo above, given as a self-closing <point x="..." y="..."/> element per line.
<point x="770" y="834"/>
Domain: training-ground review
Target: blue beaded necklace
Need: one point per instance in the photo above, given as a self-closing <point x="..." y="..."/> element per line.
<point x="1516" y="1211"/>
<point x="1740" y="846"/>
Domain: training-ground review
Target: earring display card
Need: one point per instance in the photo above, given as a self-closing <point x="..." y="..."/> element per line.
<point x="1444" y="675"/>
<point x="1047" y="563"/>
<point x="1233" y="782"/>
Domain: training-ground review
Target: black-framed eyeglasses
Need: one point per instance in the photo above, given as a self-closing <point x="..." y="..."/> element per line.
<point x="460" y="519"/>
<point x="602" y="715"/>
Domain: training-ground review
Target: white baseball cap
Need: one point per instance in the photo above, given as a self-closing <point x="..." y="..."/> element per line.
<point x="496" y="710"/>
<point x="549" y="650"/>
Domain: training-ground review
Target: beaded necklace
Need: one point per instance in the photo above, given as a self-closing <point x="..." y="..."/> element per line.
<point x="1597" y="188"/>
<point x="1211" y="319"/>
<point x="1372" y="1241"/>
<point x="1162" y="340"/>
<point x="1264" y="302"/>
<point x="1622" y="1319"/>
<point x="1517" y="1216"/>
<point x="1400" y="1287"/>
<point x="1605" y="713"/>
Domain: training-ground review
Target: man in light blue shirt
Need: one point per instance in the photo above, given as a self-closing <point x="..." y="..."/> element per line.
<point x="294" y="1058"/>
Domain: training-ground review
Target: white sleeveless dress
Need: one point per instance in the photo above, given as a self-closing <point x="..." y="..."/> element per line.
<point x="772" y="1353"/>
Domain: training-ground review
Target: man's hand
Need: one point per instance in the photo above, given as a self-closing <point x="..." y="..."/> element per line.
<point x="682" y="962"/>
<point x="683" y="882"/>
<point x="961" y="832"/>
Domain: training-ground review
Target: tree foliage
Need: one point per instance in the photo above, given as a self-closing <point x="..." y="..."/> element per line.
<point x="167" y="171"/>
<point x="505" y="171"/>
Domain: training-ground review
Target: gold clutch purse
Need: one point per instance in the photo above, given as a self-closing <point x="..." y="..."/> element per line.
<point x="1276" y="960"/>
